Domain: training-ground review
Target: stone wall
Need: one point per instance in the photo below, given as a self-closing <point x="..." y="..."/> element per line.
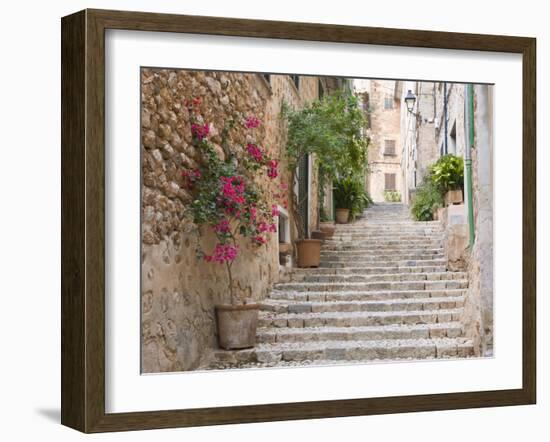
<point x="385" y="124"/>
<point x="178" y="291"/>
<point x="479" y="302"/>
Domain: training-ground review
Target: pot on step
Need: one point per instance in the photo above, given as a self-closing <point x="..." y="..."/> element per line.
<point x="342" y="216"/>
<point x="328" y="229"/>
<point x="237" y="325"/>
<point x="318" y="234"/>
<point x="453" y="197"/>
<point x="309" y="252"/>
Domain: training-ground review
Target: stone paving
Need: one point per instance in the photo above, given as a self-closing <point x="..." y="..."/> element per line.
<point x="382" y="292"/>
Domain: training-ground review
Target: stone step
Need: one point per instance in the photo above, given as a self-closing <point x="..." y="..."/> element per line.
<point x="342" y="245"/>
<point x="387" y="229"/>
<point x="308" y="334"/>
<point x="298" y="272"/>
<point x="360" y="263"/>
<point x="380" y="277"/>
<point x="344" y="351"/>
<point x="367" y="286"/>
<point x="375" y="251"/>
<point x="357" y="319"/>
<point x="380" y="257"/>
<point x="414" y="304"/>
<point x="362" y="295"/>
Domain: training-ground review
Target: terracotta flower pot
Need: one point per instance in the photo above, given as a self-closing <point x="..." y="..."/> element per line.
<point x="309" y="252"/>
<point x="237" y="325"/>
<point x="318" y="234"/>
<point x="342" y="216"/>
<point x="453" y="197"/>
<point x="328" y="229"/>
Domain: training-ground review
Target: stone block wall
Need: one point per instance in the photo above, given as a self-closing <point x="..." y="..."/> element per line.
<point x="179" y="292"/>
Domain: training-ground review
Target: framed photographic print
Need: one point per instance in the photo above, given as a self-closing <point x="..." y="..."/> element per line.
<point x="268" y="221"/>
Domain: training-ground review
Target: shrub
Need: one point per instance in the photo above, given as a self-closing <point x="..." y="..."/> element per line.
<point x="349" y="193"/>
<point x="392" y="196"/>
<point x="426" y="201"/>
<point x="448" y="173"/>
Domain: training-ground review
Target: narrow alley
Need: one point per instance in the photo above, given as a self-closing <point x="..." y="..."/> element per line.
<point x="381" y="292"/>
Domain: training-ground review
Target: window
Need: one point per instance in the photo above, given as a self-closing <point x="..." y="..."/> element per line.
<point x="388" y="102"/>
<point x="389" y="147"/>
<point x="389" y="179"/>
<point x="296" y="80"/>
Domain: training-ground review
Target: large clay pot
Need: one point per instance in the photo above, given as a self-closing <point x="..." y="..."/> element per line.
<point x="342" y="216"/>
<point x="237" y="325"/>
<point x="309" y="252"/>
<point x="328" y="229"/>
<point x="453" y="197"/>
<point x="318" y="234"/>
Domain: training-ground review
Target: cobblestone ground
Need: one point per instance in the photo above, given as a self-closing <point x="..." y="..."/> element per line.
<point x="382" y="292"/>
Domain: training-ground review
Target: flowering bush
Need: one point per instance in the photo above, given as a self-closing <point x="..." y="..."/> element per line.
<point x="226" y="198"/>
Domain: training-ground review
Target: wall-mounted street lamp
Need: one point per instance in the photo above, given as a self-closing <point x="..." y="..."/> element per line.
<point x="410" y="99"/>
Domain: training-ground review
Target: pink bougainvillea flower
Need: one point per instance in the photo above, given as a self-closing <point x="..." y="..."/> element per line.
<point x="222" y="226"/>
<point x="253" y="213"/>
<point x="275" y="210"/>
<point x="262" y="227"/>
<point x="255" y="152"/>
<point x="259" y="239"/>
<point x="222" y="253"/>
<point x="252" y="122"/>
<point x="191" y="177"/>
<point x="200" y="131"/>
<point x="233" y="189"/>
<point x="272" y="171"/>
<point x="272" y="228"/>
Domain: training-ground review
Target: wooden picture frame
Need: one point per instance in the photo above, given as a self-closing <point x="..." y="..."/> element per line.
<point x="83" y="220"/>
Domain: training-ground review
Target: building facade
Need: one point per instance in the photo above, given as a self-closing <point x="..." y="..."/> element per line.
<point x="381" y="103"/>
<point x="453" y="118"/>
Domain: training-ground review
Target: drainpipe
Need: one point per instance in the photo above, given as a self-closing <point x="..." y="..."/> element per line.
<point x="445" y="116"/>
<point x="469" y="126"/>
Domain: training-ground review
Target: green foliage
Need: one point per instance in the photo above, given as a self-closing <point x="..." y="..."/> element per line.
<point x="427" y="200"/>
<point x="349" y="193"/>
<point x="332" y="129"/>
<point x="392" y="196"/>
<point x="448" y="173"/>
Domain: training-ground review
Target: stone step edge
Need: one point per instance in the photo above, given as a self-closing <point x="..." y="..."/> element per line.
<point x="349" y="315"/>
<point x="368" y="293"/>
<point x="343" y="350"/>
<point x="282" y="302"/>
<point x="358" y="329"/>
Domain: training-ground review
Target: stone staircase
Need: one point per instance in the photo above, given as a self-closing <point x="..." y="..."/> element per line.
<point x="381" y="292"/>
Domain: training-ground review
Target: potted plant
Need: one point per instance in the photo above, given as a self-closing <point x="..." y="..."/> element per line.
<point x="326" y="225"/>
<point x="448" y="175"/>
<point x="331" y="130"/>
<point x="350" y="197"/>
<point x="228" y="205"/>
<point x="426" y="200"/>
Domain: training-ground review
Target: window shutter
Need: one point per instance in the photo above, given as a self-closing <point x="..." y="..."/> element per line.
<point x="389" y="179"/>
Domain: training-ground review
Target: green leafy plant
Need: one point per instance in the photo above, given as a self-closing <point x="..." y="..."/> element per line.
<point x="332" y="129"/>
<point x="448" y="173"/>
<point x="349" y="193"/>
<point x="392" y="196"/>
<point x="427" y="200"/>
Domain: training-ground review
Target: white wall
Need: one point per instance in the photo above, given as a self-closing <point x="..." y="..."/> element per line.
<point x="30" y="195"/>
